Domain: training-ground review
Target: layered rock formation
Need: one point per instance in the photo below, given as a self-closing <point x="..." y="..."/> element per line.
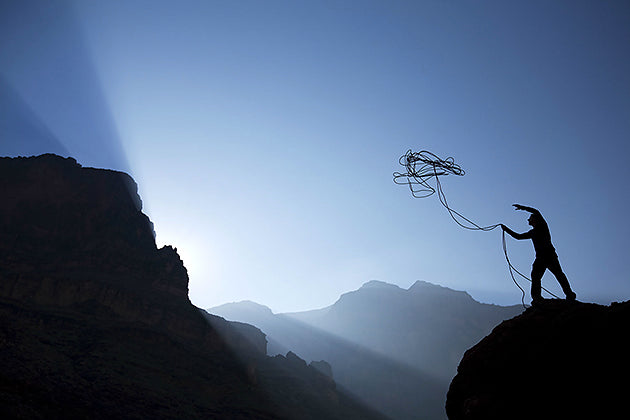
<point x="559" y="360"/>
<point x="95" y="320"/>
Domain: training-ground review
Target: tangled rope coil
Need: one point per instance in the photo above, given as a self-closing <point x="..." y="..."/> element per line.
<point x="421" y="167"/>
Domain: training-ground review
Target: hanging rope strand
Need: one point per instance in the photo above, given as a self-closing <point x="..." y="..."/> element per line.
<point x="514" y="270"/>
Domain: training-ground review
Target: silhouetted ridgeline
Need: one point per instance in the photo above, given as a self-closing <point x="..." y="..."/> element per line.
<point x="561" y="360"/>
<point x="95" y="320"/>
<point x="397" y="349"/>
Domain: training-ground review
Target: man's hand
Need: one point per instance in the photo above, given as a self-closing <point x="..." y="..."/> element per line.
<point x="526" y="208"/>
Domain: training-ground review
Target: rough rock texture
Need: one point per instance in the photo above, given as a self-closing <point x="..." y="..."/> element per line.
<point x="557" y="360"/>
<point x="95" y="320"/>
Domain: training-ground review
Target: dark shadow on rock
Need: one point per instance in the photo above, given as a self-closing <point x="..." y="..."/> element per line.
<point x="557" y="360"/>
<point x="289" y="378"/>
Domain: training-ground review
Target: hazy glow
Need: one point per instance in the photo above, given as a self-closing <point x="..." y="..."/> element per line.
<point x="263" y="135"/>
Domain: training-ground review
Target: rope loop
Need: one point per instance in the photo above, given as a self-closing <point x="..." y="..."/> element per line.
<point x="421" y="167"/>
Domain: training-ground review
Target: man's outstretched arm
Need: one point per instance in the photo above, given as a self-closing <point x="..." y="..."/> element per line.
<point x="526" y="235"/>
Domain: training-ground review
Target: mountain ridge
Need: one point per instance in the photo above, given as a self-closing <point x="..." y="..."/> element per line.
<point x="419" y="286"/>
<point x="378" y="341"/>
<point x="95" y="319"/>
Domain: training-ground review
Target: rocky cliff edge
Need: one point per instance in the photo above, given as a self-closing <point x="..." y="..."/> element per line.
<point x="558" y="360"/>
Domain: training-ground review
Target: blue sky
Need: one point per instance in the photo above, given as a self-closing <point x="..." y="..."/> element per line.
<point x="264" y="134"/>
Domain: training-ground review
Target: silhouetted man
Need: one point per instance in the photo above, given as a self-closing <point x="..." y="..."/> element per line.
<point x="546" y="257"/>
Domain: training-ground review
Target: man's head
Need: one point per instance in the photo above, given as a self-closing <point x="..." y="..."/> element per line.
<point x="534" y="220"/>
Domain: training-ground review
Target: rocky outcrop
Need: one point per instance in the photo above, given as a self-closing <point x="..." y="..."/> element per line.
<point x="323" y="367"/>
<point x="72" y="236"/>
<point x="557" y="360"/>
<point x="95" y="320"/>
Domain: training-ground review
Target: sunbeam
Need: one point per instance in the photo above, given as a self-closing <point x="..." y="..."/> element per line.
<point x="18" y="122"/>
<point x="46" y="63"/>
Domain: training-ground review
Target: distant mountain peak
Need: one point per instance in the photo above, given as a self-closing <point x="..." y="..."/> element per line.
<point x="421" y="283"/>
<point x="242" y="306"/>
<point x="420" y="287"/>
<point x="372" y="284"/>
<point x="425" y="287"/>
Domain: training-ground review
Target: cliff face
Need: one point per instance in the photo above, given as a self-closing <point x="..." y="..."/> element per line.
<point x="70" y="235"/>
<point x="95" y="320"/>
<point x="557" y="360"/>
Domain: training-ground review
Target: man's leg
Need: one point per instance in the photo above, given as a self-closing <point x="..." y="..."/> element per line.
<point x="556" y="269"/>
<point x="538" y="269"/>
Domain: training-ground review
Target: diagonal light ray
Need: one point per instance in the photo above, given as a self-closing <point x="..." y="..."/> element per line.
<point x="22" y="132"/>
<point x="45" y="60"/>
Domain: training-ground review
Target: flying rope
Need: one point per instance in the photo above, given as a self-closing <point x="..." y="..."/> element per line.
<point x="420" y="169"/>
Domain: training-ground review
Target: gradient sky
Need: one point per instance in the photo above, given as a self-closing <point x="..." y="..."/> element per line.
<point x="264" y="134"/>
